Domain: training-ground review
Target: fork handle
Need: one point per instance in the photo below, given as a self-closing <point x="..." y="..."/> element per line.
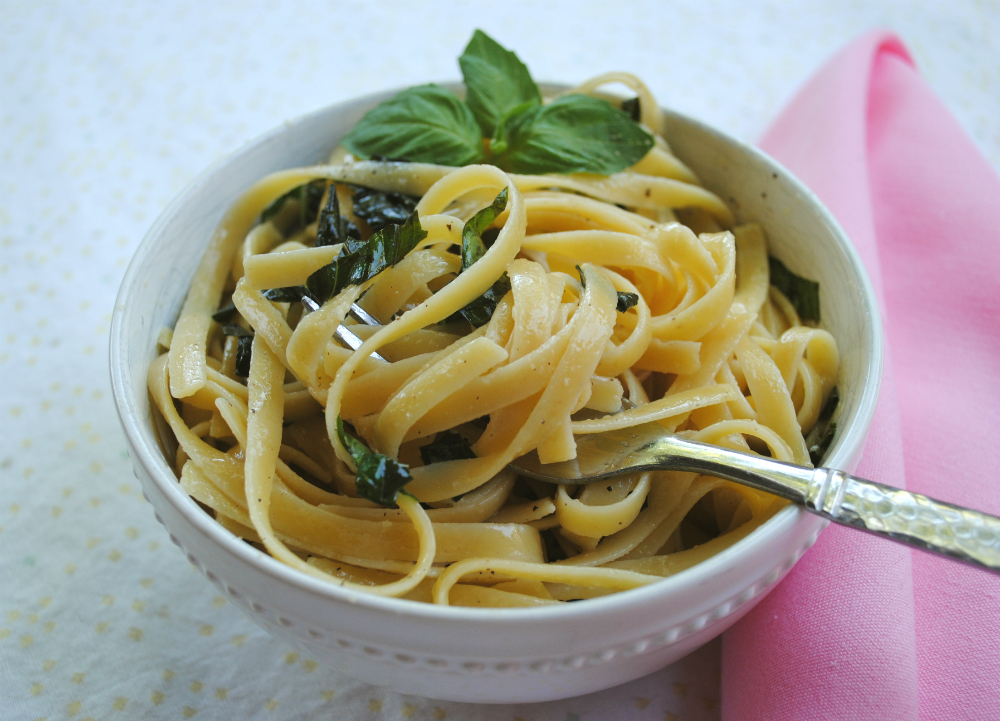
<point x="916" y="520"/>
<point x="910" y="518"/>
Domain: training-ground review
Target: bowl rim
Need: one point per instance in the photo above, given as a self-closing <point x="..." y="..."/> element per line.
<point x="141" y="439"/>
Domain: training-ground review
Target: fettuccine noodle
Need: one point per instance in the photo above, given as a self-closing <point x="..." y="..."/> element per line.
<point x="709" y="350"/>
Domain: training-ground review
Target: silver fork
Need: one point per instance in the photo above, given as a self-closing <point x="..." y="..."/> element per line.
<point x="910" y="518"/>
<point x="948" y="530"/>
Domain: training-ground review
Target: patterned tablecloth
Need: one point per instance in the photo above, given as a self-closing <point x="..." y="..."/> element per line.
<point x="106" y="111"/>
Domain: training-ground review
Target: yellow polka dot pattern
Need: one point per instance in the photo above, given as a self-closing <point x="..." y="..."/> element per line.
<point x="107" y="111"/>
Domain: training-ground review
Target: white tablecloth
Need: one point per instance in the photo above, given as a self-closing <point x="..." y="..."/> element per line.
<point x="106" y="111"/>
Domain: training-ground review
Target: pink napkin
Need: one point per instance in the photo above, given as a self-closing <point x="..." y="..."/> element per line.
<point x="862" y="628"/>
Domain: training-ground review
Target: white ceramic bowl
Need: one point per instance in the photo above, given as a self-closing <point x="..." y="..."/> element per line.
<point x="492" y="655"/>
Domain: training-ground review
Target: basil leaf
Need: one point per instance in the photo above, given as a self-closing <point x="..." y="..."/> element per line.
<point x="802" y="293"/>
<point x="631" y="108"/>
<point x="479" y="311"/>
<point x="380" y="209"/>
<point x="495" y="81"/>
<point x="818" y="441"/>
<point x="332" y="228"/>
<point x="244" y="351"/>
<point x="379" y="477"/>
<point x="308" y="196"/>
<point x="225" y="312"/>
<point x="473" y="247"/>
<point x="383" y="249"/>
<point x="818" y="450"/>
<point x="290" y="294"/>
<point x="236" y="330"/>
<point x="572" y="134"/>
<point x="424" y="124"/>
<point x="626" y="301"/>
<point x="830" y="406"/>
<point x="448" y="446"/>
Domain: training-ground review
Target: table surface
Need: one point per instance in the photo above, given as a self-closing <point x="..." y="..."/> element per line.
<point x="106" y="111"/>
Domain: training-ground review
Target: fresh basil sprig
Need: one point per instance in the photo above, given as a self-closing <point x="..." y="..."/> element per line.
<point x="479" y="311"/>
<point x="424" y="124"/>
<point x="572" y="134"/>
<point x="496" y="81"/>
<point x="448" y="446"/>
<point x="801" y="292"/>
<point x="366" y="259"/>
<point x="502" y="121"/>
<point x="379" y="477"/>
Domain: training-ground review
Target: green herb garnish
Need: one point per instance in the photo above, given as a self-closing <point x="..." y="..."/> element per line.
<point x="383" y="249"/>
<point x="291" y="294"/>
<point x="818" y="450"/>
<point x="572" y="134"/>
<point x="448" y="446"/>
<point x="379" y="209"/>
<point x="473" y="247"/>
<point x="802" y="293"/>
<point x="502" y="121"/>
<point x="308" y="196"/>
<point x="821" y="436"/>
<point x="832" y="400"/>
<point x="424" y="124"/>
<point x="632" y="109"/>
<point x="236" y="330"/>
<point x="224" y="313"/>
<point x="626" y="301"/>
<point x="244" y="346"/>
<point x="479" y="311"/>
<point x="379" y="477"/>
<point x="332" y="228"/>
<point x="496" y="81"/>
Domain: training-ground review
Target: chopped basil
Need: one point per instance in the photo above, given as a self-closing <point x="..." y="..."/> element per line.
<point x="332" y="228"/>
<point x="821" y="436"/>
<point x="291" y="294"/>
<point x="224" y="313"/>
<point x="380" y="209"/>
<point x="627" y="300"/>
<point x="244" y="351"/>
<point x="832" y="400"/>
<point x="572" y="134"/>
<point x="383" y="249"/>
<point x="425" y="124"/>
<point x="236" y="330"/>
<point x="631" y="108"/>
<point x="479" y="311"/>
<point x="448" y="446"/>
<point x="496" y="81"/>
<point x="308" y="196"/>
<point x="802" y="293"/>
<point x="379" y="477"/>
<point x="473" y="247"/>
<point x="243" y="347"/>
<point x="818" y="450"/>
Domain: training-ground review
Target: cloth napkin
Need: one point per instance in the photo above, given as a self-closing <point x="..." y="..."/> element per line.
<point x="863" y="628"/>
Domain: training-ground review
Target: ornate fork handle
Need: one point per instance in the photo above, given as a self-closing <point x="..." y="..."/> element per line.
<point x="960" y="533"/>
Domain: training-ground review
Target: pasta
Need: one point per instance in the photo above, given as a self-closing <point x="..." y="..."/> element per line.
<point x="633" y="298"/>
